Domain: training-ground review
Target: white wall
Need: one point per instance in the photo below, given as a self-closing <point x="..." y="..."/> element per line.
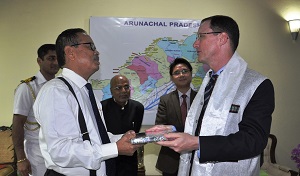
<point x="265" y="44"/>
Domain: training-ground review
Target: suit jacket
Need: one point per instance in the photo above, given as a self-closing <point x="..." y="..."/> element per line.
<point x="169" y="113"/>
<point x="254" y="129"/>
<point x="118" y="121"/>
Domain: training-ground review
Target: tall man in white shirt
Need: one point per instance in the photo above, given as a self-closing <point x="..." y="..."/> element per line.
<point x="25" y="130"/>
<point x="57" y="111"/>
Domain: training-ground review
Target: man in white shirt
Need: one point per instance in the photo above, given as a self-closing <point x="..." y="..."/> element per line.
<point x="57" y="111"/>
<point x="25" y="128"/>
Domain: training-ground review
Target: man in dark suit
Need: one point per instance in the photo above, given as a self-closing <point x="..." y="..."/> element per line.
<point x="122" y="114"/>
<point x="227" y="130"/>
<point x="169" y="112"/>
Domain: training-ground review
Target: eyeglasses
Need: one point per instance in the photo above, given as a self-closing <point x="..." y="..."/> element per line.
<point x="119" y="88"/>
<point x="200" y="35"/>
<point x="92" y="45"/>
<point x="183" y="71"/>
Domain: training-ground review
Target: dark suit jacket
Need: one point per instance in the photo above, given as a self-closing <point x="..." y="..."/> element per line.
<point x="168" y="113"/>
<point x="119" y="121"/>
<point x="253" y="133"/>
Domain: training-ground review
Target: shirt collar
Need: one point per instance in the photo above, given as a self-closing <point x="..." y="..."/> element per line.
<point x="122" y="107"/>
<point x="187" y="93"/>
<point x="77" y="79"/>
<point x="218" y="72"/>
<point x="40" y="78"/>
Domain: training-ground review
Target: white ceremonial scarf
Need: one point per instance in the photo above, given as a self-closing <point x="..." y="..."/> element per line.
<point x="215" y="117"/>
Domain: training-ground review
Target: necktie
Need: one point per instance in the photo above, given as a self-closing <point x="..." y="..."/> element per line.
<point x="208" y="90"/>
<point x="110" y="163"/>
<point x="183" y="108"/>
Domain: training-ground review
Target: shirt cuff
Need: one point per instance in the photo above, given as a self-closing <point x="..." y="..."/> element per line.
<point x="198" y="151"/>
<point x="173" y="128"/>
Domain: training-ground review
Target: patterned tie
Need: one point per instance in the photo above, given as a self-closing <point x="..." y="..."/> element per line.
<point x="208" y="90"/>
<point x="110" y="163"/>
<point x="183" y="108"/>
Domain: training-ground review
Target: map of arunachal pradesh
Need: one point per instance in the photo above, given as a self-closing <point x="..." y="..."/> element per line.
<point x="142" y="50"/>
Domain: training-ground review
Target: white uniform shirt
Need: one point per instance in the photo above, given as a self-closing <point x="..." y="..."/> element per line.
<point x="23" y="102"/>
<point x="61" y="143"/>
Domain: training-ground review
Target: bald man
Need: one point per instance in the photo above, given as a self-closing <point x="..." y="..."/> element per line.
<point x="122" y="114"/>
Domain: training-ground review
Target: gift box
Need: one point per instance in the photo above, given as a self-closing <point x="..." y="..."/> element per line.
<point x="144" y="138"/>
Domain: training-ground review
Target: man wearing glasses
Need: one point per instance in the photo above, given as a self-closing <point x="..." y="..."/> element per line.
<point x="122" y="114"/>
<point x="73" y="137"/>
<point x="172" y="110"/>
<point x="226" y="132"/>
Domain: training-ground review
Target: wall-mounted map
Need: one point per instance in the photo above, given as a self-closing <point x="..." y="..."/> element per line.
<point x="142" y="50"/>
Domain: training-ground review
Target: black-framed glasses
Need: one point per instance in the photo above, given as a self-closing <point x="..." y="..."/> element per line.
<point x="119" y="88"/>
<point x="200" y="34"/>
<point x="92" y="45"/>
<point x="183" y="71"/>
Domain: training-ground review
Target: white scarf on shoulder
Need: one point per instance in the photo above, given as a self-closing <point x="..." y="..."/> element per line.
<point x="215" y="117"/>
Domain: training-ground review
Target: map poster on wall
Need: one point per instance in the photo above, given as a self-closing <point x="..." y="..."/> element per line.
<point x="142" y="50"/>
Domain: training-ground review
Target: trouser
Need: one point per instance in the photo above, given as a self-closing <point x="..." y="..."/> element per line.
<point x="35" y="157"/>
<point x="51" y="172"/>
<point x="168" y="174"/>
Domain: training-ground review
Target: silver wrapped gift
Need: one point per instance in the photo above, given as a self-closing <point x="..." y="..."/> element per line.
<point x="144" y="138"/>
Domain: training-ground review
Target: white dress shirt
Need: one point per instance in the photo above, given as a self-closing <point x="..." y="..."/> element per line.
<point x="56" y="109"/>
<point x="23" y="105"/>
<point x="23" y="102"/>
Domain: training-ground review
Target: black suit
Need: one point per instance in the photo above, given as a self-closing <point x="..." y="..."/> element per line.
<point x="119" y="121"/>
<point x="253" y="133"/>
<point x="168" y="113"/>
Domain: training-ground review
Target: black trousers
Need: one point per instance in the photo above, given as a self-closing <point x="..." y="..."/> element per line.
<point x="168" y="174"/>
<point x="51" y="172"/>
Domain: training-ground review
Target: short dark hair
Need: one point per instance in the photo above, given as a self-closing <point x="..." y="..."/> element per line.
<point x="228" y="25"/>
<point x="43" y="50"/>
<point x="66" y="38"/>
<point x="180" y="61"/>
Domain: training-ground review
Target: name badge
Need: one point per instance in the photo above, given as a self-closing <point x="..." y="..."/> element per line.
<point x="234" y="108"/>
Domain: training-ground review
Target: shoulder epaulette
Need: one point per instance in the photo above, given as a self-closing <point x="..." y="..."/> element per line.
<point x="28" y="80"/>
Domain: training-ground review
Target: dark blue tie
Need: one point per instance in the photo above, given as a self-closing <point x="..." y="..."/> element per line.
<point x="110" y="163"/>
<point x="208" y="90"/>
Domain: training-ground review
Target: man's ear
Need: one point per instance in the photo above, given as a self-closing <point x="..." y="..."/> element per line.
<point x="39" y="60"/>
<point x="69" y="52"/>
<point x="223" y="39"/>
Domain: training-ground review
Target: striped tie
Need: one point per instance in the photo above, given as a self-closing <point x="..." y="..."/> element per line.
<point x="208" y="90"/>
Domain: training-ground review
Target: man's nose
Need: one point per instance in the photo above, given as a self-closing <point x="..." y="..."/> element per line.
<point x="196" y="44"/>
